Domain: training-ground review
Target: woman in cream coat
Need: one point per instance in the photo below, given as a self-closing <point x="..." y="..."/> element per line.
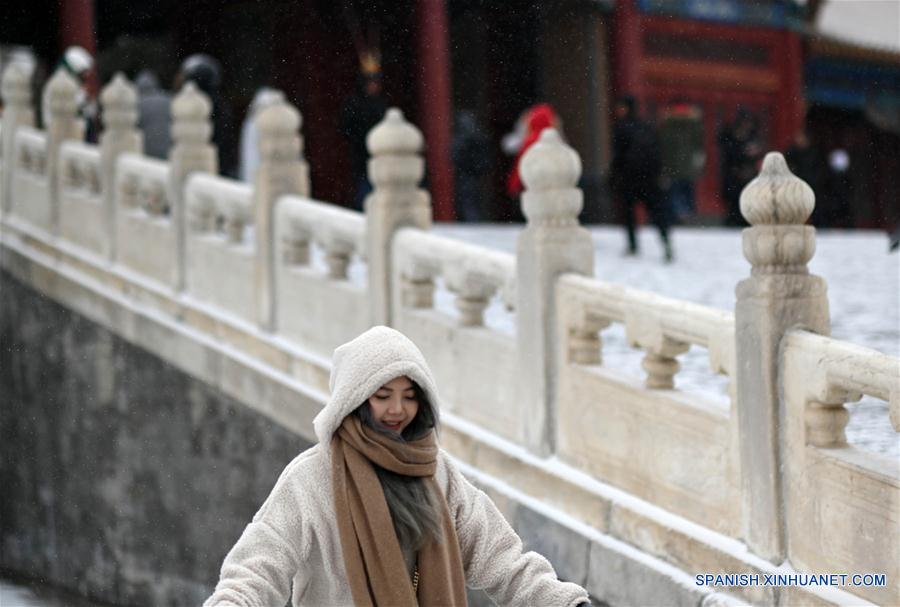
<point x="376" y="513"/>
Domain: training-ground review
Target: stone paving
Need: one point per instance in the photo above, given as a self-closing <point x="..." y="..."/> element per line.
<point x="863" y="293"/>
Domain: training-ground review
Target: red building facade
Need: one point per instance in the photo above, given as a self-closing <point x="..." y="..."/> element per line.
<point x="735" y="54"/>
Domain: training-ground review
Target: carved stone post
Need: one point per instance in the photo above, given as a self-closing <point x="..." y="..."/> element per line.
<point x="552" y="243"/>
<point x="120" y="135"/>
<point x="395" y="169"/>
<point x="17" y="111"/>
<point x="281" y="171"/>
<point x="191" y="151"/>
<point x="62" y="123"/>
<point x="779" y="295"/>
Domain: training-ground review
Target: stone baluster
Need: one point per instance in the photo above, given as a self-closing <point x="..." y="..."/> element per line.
<point x="234" y="228"/>
<point x="643" y="329"/>
<point x="584" y="345"/>
<point x="825" y="423"/>
<point x="191" y="151"/>
<point x="552" y="243"/>
<point x="473" y="294"/>
<point x="281" y="171"/>
<point x="779" y="295"/>
<point x="202" y="214"/>
<point x="417" y="285"/>
<point x="395" y="170"/>
<point x="17" y="111"/>
<point x="295" y="246"/>
<point x="337" y="256"/>
<point x="120" y="135"/>
<point x="63" y="123"/>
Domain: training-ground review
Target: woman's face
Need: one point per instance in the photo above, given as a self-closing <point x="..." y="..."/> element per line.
<point x="394" y="405"/>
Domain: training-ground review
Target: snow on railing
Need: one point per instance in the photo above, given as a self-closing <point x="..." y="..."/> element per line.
<point x="662" y="326"/>
<point x="142" y="182"/>
<point x="473" y="273"/>
<point x="339" y="232"/>
<point x="31" y="151"/>
<point x="840" y="373"/>
<point x="80" y="166"/>
<point x="219" y="204"/>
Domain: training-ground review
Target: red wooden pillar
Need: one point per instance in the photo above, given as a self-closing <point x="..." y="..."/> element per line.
<point x="791" y="105"/>
<point x="627" y="50"/>
<point x="434" y="102"/>
<point x="77" y="27"/>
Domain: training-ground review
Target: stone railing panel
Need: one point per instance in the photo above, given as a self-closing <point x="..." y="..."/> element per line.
<point x="30" y="185"/>
<point x="81" y="214"/>
<point x="220" y="247"/>
<point x="321" y="294"/>
<point x="842" y="505"/>
<point x="146" y="233"/>
<point x="675" y="449"/>
<point x="480" y="384"/>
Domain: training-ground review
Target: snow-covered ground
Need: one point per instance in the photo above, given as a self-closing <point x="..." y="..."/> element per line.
<point x="863" y="293"/>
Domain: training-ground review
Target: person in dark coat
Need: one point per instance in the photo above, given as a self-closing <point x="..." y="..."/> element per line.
<point x="154" y="115"/>
<point x="635" y="172"/>
<point x="206" y="73"/>
<point x="683" y="157"/>
<point x="471" y="161"/>
<point x="740" y="152"/>
<point x="807" y="162"/>
<point x="360" y="113"/>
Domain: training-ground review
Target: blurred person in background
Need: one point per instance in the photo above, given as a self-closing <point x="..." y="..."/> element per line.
<point x="838" y="190"/>
<point x="806" y="162"/>
<point x="740" y="153"/>
<point x="683" y="157"/>
<point x="470" y="152"/>
<point x="79" y="63"/>
<point x="636" y="173"/>
<point x="360" y="113"/>
<point x="206" y="73"/>
<point x="154" y="115"/>
<point x="535" y="119"/>
<point x="249" y="153"/>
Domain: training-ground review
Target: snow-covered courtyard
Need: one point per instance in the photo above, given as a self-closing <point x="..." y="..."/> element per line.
<point x="863" y="294"/>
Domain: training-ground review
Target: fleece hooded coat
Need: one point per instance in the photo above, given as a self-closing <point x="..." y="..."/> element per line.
<point x="292" y="547"/>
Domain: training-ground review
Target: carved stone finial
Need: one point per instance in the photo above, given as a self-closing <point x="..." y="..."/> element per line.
<point x="394" y="145"/>
<point x="279" y="125"/>
<point x="550" y="164"/>
<point x="777" y="196"/>
<point x="119" y="100"/>
<point x="190" y="114"/>
<point x="550" y="169"/>
<point x="394" y="136"/>
<point x="777" y="203"/>
<point x="61" y="92"/>
<point x="15" y="88"/>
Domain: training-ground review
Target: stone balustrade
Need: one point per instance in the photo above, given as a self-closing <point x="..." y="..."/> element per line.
<point x="474" y="274"/>
<point x="81" y="212"/>
<point x="222" y="280"/>
<point x="661" y="326"/>
<point x="29" y="176"/>
<point x="339" y="233"/>
<point x="218" y="205"/>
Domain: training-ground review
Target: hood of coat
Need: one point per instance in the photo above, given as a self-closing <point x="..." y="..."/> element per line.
<point x="364" y="364"/>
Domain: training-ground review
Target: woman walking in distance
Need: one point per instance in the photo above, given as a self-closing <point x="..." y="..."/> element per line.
<point x="376" y="514"/>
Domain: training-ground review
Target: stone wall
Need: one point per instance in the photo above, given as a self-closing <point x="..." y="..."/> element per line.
<point x="88" y="423"/>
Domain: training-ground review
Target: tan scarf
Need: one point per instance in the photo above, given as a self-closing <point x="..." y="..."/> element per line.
<point x="375" y="566"/>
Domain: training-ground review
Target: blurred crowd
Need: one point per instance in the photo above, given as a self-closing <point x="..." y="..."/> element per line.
<point x="656" y="163"/>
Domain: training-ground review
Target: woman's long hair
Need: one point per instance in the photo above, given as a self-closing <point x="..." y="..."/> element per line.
<point x="415" y="510"/>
